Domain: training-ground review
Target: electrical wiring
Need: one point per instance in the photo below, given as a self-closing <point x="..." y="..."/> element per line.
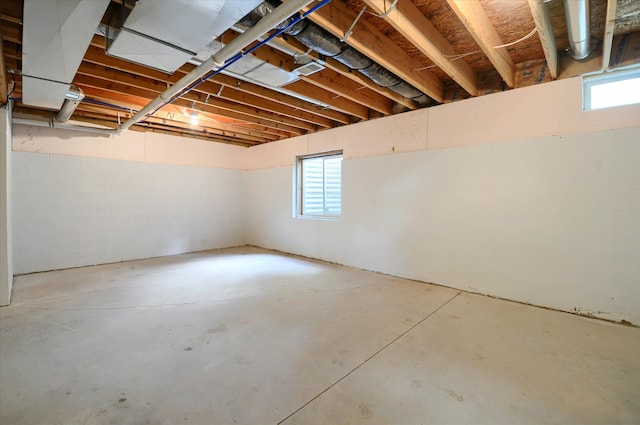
<point x="13" y="87"/>
<point x="462" y="55"/>
<point x="533" y="31"/>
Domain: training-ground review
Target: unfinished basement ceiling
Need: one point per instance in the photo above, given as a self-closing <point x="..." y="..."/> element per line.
<point x="418" y="53"/>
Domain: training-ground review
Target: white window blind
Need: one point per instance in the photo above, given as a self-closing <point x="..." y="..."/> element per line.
<point x="321" y="185"/>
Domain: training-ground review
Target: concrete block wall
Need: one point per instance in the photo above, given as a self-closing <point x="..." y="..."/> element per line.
<point x="6" y="208"/>
<point x="519" y="195"/>
<point x="547" y="221"/>
<point x="75" y="210"/>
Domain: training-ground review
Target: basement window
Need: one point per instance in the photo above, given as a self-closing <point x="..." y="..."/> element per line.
<point x="612" y="89"/>
<point x="319" y="185"/>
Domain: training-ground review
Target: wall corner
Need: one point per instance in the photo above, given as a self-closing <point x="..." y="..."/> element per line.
<point x="6" y="242"/>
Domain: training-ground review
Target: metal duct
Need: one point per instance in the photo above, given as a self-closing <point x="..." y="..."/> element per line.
<point x="226" y="56"/>
<point x="578" y="27"/>
<point x="380" y="75"/>
<point x="72" y="100"/>
<point x="353" y="59"/>
<point x="318" y="39"/>
<point x="406" y="90"/>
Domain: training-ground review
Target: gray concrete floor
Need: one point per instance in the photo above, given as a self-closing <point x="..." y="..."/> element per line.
<point x="249" y="336"/>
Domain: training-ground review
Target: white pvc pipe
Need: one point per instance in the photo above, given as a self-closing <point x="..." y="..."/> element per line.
<point x="53" y="124"/>
<point x="263" y="26"/>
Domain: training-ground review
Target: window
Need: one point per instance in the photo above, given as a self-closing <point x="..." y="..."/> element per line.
<point x="613" y="89"/>
<point x="319" y="185"/>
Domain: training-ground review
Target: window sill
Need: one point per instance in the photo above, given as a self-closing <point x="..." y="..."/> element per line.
<point x="319" y="217"/>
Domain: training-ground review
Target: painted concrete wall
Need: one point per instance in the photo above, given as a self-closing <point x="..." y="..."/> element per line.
<point x="130" y="146"/>
<point x="76" y="210"/>
<point x="519" y="195"/>
<point x="6" y="243"/>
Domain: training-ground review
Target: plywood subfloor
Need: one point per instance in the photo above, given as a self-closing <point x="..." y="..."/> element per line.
<point x="250" y="336"/>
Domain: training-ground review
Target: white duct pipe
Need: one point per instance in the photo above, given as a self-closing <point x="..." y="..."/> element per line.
<point x="263" y="26"/>
<point x="72" y="100"/>
<point x="61" y="125"/>
<point x="578" y="27"/>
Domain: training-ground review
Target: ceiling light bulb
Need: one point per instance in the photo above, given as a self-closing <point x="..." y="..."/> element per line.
<point x="194" y="118"/>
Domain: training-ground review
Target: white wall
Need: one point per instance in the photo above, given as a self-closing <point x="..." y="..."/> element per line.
<point x="72" y="210"/>
<point x="6" y="244"/>
<point x="130" y="146"/>
<point x="519" y="195"/>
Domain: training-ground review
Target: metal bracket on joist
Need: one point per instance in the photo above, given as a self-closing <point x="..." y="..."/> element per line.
<point x="393" y="5"/>
<point x="350" y="30"/>
<point x="364" y="9"/>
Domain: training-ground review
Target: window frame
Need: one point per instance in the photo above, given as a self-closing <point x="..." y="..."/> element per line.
<point x="299" y="186"/>
<point x="611" y="77"/>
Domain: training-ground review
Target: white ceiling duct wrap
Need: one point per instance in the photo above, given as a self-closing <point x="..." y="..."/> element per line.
<point x="56" y="35"/>
<point x="165" y="34"/>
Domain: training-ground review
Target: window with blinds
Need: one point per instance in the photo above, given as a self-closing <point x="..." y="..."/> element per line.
<point x="320" y="185"/>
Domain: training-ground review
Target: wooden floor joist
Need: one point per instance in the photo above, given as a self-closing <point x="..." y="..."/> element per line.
<point x="337" y="18"/>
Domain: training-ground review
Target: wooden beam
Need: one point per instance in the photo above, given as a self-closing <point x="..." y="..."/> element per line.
<point x="345" y="90"/>
<point x="265" y="53"/>
<point x="359" y="78"/>
<point x="12" y="8"/>
<point x="154" y="128"/>
<point x="335" y="83"/>
<point x="96" y="55"/>
<point x="109" y="117"/>
<point x="10" y="32"/>
<point x="336" y="101"/>
<point x="4" y="82"/>
<point x="337" y="18"/>
<point x="292" y="45"/>
<point x="540" y="13"/>
<point x="21" y="111"/>
<point x="407" y="19"/>
<point x="11" y="19"/>
<point x="474" y="17"/>
<point x="609" y="28"/>
<point x="181" y="122"/>
<point x="246" y="110"/>
<point x="275" y="124"/>
<point x="215" y="90"/>
<point x="284" y="99"/>
<point x="234" y="95"/>
<point x="177" y="121"/>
